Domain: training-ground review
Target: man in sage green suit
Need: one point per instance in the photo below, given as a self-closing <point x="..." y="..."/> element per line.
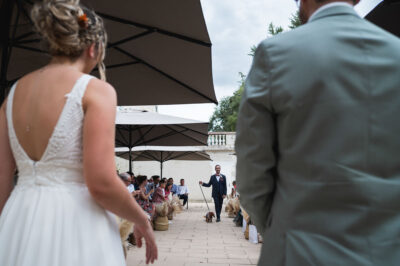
<point x="318" y="141"/>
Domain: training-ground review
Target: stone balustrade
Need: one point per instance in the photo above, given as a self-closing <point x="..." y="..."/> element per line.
<point x="221" y="140"/>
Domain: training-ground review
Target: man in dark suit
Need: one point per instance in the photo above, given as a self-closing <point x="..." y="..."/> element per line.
<point x="218" y="183"/>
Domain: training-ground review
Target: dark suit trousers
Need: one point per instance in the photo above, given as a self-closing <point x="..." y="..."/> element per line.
<point x="184" y="197"/>
<point x="218" y="200"/>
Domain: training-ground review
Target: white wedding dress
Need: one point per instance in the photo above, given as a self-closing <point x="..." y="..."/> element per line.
<point x="50" y="218"/>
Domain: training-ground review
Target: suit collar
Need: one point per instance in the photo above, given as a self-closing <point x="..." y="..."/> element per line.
<point x="336" y="10"/>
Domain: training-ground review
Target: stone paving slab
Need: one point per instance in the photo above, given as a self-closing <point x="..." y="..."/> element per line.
<point x="190" y="241"/>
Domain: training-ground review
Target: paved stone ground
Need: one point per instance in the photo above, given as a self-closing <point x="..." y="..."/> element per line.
<point x="190" y="241"/>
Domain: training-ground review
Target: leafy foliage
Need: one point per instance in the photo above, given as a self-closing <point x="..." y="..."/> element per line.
<point x="225" y="114"/>
<point x="295" y="20"/>
<point x="274" y="30"/>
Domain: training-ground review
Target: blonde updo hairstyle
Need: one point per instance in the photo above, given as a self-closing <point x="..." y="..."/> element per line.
<point x="69" y="28"/>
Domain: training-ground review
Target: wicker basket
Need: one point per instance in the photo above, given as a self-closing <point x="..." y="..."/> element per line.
<point x="161" y="223"/>
<point x="231" y="214"/>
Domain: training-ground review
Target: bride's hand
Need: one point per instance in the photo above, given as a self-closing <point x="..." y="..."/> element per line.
<point x="146" y="232"/>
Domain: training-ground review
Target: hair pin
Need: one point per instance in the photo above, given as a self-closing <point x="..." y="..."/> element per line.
<point x="83" y="21"/>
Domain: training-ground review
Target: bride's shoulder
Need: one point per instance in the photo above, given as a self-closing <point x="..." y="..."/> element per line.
<point x="98" y="90"/>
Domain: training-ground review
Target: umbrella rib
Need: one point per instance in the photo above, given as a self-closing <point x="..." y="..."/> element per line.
<point x="181" y="132"/>
<point x="168" y="158"/>
<point x="178" y="156"/>
<point x="28" y="41"/>
<point x="148" y="155"/>
<point x="164" y="74"/>
<point x="111" y="45"/>
<point x="155" y="29"/>
<point x="119" y="65"/>
<point x="26" y="13"/>
<point x="142" y="135"/>
<point x="30" y="48"/>
<point x="158" y="137"/>
<point x="23" y="36"/>
<point x="196" y="131"/>
<point x="13" y="35"/>
<point x="119" y="132"/>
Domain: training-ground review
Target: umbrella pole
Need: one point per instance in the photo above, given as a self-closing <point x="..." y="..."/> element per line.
<point x="130" y="159"/>
<point x="161" y="166"/>
<point x="130" y="148"/>
<point x="5" y="15"/>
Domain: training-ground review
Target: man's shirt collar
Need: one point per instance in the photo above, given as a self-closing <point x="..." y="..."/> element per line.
<point x="327" y="6"/>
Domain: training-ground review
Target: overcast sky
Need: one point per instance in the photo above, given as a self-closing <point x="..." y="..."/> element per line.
<point x="234" y="26"/>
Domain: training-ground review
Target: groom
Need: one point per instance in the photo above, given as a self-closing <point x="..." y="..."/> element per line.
<point x="218" y="183"/>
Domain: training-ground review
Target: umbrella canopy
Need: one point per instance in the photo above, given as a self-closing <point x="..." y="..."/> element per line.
<point x="138" y="128"/>
<point x="159" y="52"/>
<point x="163" y="154"/>
<point x="387" y="16"/>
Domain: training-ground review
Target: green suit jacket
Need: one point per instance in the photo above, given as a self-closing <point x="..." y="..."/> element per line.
<point x="318" y="143"/>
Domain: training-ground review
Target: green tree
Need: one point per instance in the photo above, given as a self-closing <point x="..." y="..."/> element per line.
<point x="225" y="114"/>
<point x="272" y="31"/>
<point x="295" y="20"/>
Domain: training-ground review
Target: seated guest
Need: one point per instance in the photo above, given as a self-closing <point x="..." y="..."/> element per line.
<point x="159" y="193"/>
<point x="233" y="193"/>
<point x="168" y="188"/>
<point x="174" y="189"/>
<point x="153" y="185"/>
<point x="126" y="178"/>
<point x="143" y="196"/>
<point x="183" y="192"/>
<point x="133" y="180"/>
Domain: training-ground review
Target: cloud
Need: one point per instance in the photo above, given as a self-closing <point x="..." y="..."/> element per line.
<point x="234" y="26"/>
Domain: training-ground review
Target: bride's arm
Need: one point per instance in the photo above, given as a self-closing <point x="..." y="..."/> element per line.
<point x="99" y="104"/>
<point x="107" y="189"/>
<point x="7" y="162"/>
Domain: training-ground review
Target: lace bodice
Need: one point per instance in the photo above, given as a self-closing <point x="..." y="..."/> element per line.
<point x="61" y="163"/>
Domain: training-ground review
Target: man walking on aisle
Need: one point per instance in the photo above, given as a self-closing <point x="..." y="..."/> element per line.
<point x="218" y="183"/>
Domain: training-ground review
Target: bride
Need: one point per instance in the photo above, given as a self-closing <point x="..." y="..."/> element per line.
<point x="57" y="129"/>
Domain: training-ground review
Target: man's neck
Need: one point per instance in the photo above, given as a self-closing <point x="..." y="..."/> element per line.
<point x="330" y="4"/>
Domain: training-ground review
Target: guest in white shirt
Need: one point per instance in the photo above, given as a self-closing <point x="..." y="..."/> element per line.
<point x="183" y="192"/>
<point x="126" y="178"/>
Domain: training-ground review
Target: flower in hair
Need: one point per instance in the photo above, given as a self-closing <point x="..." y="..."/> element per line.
<point x="83" y="21"/>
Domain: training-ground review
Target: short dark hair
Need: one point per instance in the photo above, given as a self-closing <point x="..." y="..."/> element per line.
<point x="162" y="181"/>
<point x="234" y="182"/>
<point x="182" y="179"/>
<point x="155" y="177"/>
<point x="140" y="179"/>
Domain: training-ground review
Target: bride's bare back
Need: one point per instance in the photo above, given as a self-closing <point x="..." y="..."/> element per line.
<point x="38" y="102"/>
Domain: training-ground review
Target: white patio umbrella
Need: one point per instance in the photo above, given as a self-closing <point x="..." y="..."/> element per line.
<point x="163" y="154"/>
<point x="139" y="128"/>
